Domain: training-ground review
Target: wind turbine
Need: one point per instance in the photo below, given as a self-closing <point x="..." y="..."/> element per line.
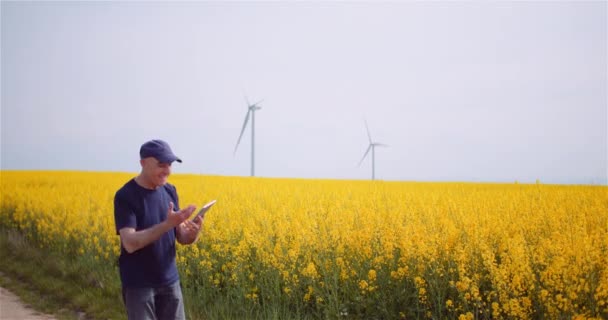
<point x="251" y="108"/>
<point x="372" y="146"/>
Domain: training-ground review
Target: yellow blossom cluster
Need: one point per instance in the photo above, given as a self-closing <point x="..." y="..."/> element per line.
<point x="357" y="248"/>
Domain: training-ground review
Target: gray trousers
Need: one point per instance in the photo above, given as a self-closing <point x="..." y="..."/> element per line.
<point x="164" y="303"/>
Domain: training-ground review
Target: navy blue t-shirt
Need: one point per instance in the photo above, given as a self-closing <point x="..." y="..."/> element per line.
<point x="141" y="208"/>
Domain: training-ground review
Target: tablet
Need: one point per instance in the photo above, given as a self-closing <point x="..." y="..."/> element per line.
<point x="201" y="213"/>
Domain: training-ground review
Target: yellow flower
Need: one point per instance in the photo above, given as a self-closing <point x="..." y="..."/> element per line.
<point x="363" y="285"/>
<point x="449" y="304"/>
<point x="510" y="246"/>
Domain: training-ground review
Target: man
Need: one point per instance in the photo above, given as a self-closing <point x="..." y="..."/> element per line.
<point x="149" y="221"/>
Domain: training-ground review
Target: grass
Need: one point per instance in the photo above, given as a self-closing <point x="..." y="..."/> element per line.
<point x="56" y="285"/>
<point x="68" y="288"/>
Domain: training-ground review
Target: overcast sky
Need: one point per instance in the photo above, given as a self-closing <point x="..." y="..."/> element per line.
<point x="460" y="91"/>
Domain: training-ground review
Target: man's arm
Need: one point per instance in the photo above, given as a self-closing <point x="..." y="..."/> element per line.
<point x="133" y="240"/>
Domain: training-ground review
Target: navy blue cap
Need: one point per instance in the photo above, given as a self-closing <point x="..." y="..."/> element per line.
<point x="158" y="149"/>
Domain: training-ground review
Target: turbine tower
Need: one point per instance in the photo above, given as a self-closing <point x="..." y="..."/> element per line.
<point x="372" y="146"/>
<point x="251" y="108"/>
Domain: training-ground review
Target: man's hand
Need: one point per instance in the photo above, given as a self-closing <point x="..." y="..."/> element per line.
<point x="188" y="231"/>
<point x="175" y="218"/>
<point x="134" y="240"/>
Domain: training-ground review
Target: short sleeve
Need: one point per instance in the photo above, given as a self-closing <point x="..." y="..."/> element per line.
<point x="124" y="217"/>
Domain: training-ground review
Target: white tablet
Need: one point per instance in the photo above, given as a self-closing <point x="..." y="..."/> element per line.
<point x="201" y="213"/>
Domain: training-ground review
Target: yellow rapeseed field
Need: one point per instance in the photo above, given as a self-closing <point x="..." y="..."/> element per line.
<point x="353" y="249"/>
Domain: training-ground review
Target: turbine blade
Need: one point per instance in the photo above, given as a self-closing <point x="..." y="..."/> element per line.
<point x="256" y="104"/>
<point x="242" y="131"/>
<point x="247" y="101"/>
<point x="368" y="134"/>
<point x="380" y="144"/>
<point x="366" y="152"/>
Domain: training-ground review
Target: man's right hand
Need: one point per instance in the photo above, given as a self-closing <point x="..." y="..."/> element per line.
<point x="134" y="240"/>
<point x="174" y="218"/>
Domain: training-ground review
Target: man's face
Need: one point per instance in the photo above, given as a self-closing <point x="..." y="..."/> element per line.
<point x="155" y="172"/>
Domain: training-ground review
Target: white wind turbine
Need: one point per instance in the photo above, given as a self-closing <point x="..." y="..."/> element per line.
<point x="372" y="146"/>
<point x="251" y="108"/>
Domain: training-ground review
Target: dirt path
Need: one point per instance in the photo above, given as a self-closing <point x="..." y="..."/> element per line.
<point x="12" y="308"/>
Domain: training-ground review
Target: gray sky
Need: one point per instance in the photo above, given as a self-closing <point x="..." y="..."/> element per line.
<point x="460" y="91"/>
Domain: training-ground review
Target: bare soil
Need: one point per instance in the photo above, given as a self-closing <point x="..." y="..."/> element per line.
<point x="12" y="308"/>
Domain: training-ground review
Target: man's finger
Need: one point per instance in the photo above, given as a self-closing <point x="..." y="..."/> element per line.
<point x="194" y="225"/>
<point x="191" y="208"/>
